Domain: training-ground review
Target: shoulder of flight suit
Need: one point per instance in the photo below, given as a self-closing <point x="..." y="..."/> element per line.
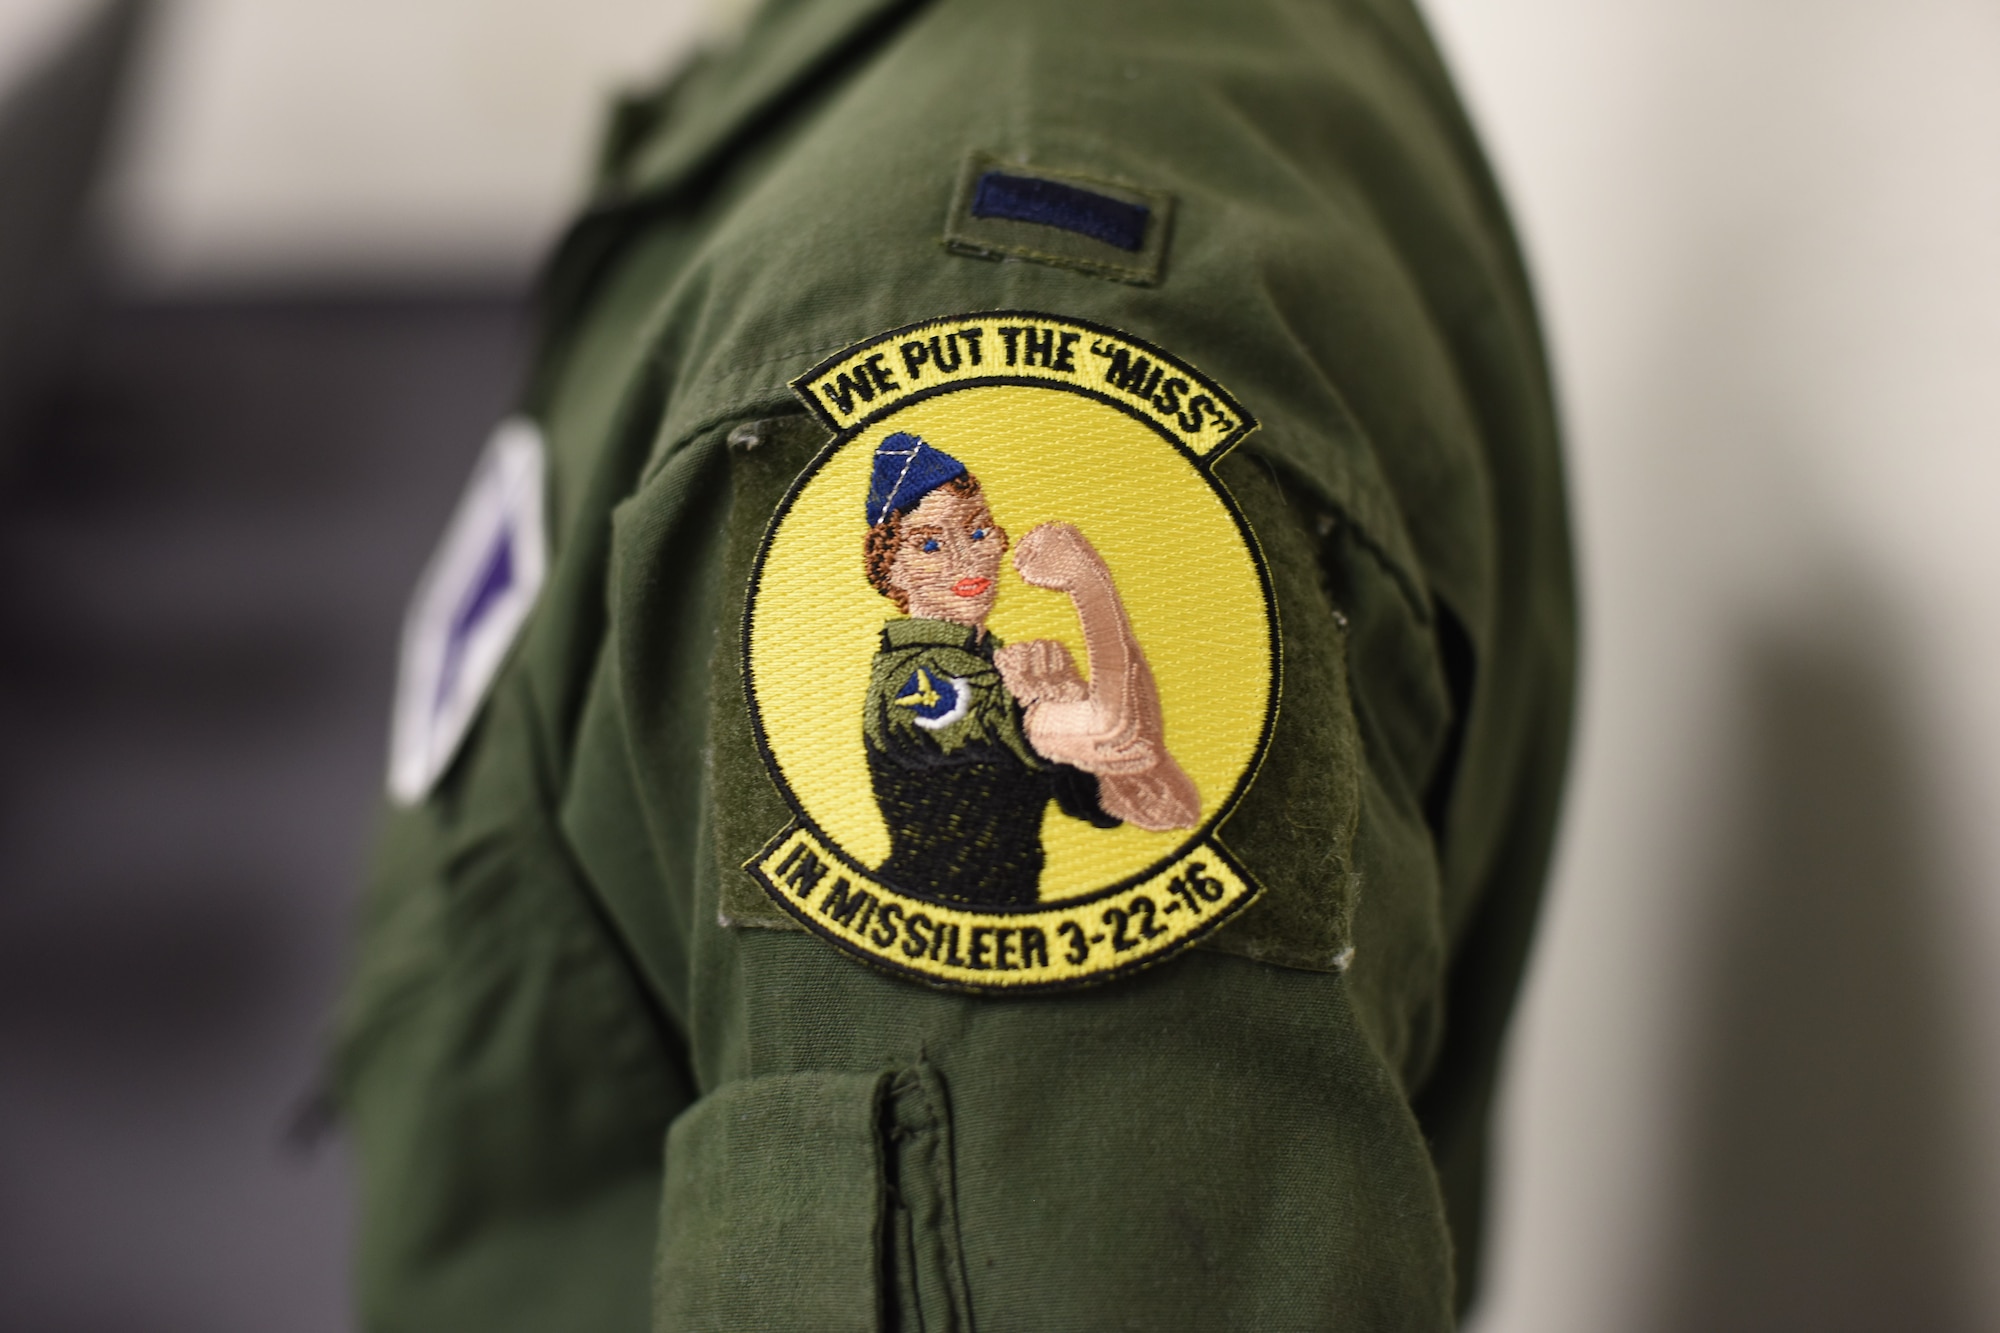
<point x="1337" y="259"/>
<point x="1282" y="1131"/>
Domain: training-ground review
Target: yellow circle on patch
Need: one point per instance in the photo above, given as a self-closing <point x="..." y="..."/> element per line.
<point x="1011" y="655"/>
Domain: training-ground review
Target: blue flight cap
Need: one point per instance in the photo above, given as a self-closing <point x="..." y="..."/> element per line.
<point x="906" y="470"/>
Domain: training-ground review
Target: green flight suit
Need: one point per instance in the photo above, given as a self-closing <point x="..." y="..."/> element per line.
<point x="598" y="1082"/>
<point x="961" y="790"/>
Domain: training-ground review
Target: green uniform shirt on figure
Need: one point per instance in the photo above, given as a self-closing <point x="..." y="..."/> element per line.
<point x="982" y="749"/>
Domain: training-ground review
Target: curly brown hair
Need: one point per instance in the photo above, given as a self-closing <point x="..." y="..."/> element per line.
<point x="878" y="549"/>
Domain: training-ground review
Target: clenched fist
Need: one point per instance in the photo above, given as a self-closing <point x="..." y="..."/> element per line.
<point x="1060" y="558"/>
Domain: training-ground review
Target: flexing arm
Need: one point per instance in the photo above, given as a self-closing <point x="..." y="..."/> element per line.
<point x="1113" y="726"/>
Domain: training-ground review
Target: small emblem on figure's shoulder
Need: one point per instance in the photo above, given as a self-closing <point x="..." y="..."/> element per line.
<point x="934" y="701"/>
<point x="1011" y="655"/>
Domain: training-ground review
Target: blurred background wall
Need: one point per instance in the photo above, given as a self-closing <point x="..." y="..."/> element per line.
<point x="389" y="138"/>
<point x="1756" y="1082"/>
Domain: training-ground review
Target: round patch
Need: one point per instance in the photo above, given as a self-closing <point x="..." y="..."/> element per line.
<point x="1011" y="655"/>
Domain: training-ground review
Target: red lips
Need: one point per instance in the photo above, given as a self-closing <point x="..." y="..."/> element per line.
<point x="971" y="587"/>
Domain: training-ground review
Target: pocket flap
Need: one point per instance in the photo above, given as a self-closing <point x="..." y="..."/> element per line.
<point x="772" y="1210"/>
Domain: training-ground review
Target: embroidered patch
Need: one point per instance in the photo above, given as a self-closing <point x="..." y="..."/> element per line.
<point x="1009" y="210"/>
<point x="468" y="606"/>
<point x="1011" y="655"/>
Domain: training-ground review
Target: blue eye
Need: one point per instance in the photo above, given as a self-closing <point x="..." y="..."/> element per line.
<point x="930" y="544"/>
<point x="979" y="534"/>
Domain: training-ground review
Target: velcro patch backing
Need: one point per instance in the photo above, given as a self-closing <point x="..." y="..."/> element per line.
<point x="1010" y="210"/>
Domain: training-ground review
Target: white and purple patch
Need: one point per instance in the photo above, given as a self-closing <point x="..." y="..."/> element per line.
<point x="468" y="606"/>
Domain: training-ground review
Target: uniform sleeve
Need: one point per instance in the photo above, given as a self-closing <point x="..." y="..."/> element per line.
<point x="1218" y="1141"/>
<point x="504" y="1077"/>
<point x="639" y="1039"/>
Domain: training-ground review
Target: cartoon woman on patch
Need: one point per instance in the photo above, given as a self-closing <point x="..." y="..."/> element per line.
<point x="968" y="740"/>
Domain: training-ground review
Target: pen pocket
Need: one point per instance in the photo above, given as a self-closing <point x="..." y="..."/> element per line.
<point x="815" y="1201"/>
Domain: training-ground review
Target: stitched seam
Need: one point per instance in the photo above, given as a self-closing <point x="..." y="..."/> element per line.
<point x="741" y="410"/>
<point x="1406" y="583"/>
<point x="985" y="248"/>
<point x="819" y="351"/>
